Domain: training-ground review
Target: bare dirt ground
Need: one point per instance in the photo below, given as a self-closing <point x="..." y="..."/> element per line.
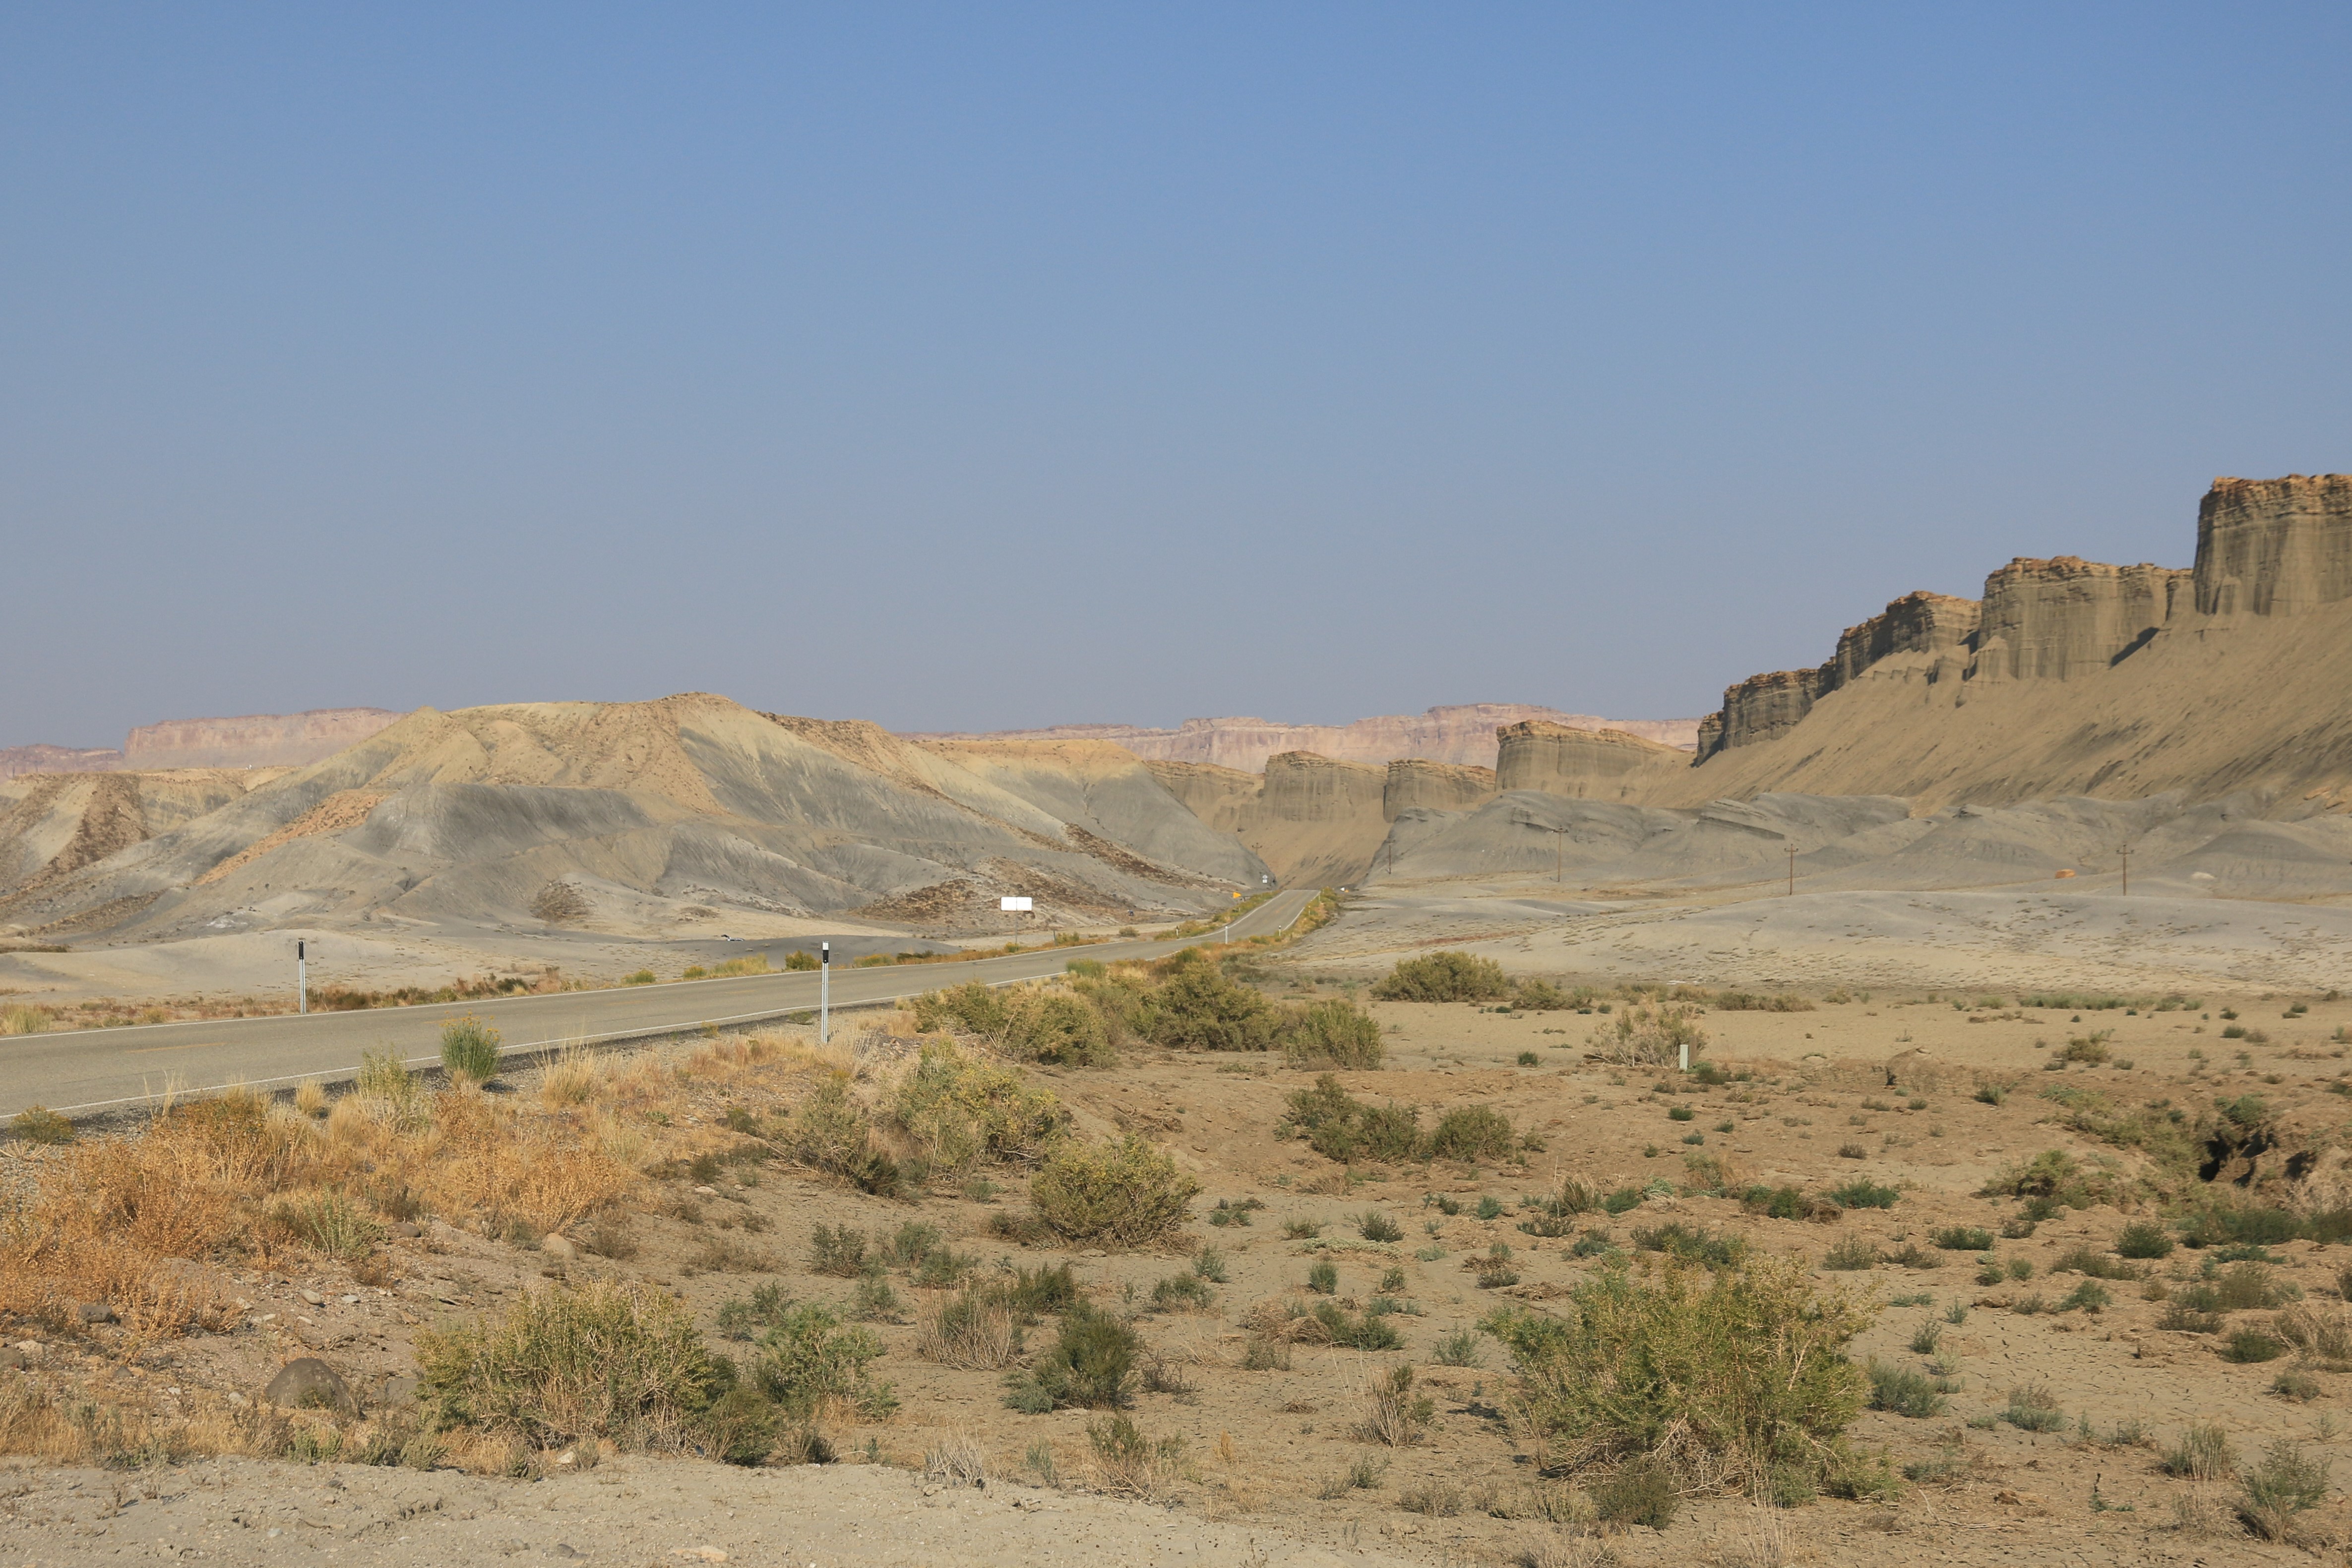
<point x="1270" y="1454"/>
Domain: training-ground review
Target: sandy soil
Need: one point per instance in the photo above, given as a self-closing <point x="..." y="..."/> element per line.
<point x="1266" y="1448"/>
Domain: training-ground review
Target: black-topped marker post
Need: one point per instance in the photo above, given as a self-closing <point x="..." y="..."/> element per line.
<point x="823" y="991"/>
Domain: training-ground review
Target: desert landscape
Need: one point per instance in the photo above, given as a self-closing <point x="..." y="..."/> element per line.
<point x="1906" y="1124"/>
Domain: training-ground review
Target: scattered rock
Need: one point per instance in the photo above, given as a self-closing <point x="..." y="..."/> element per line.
<point x="315" y="1298"/>
<point x="398" y="1390"/>
<point x="698" y="1553"/>
<point x="311" y="1383"/>
<point x="407" y="1230"/>
<point x="14" y="1360"/>
<point x="560" y="1248"/>
<point x="96" y="1312"/>
<point x="708" y="1191"/>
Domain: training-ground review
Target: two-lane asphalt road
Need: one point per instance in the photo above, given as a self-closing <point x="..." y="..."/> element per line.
<point x="96" y="1070"/>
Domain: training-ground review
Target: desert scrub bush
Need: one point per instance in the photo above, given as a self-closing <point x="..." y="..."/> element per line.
<point x="2033" y="1408"/>
<point x="470" y="1048"/>
<point x="1460" y="1348"/>
<point x="39" y="1124"/>
<point x="1747" y="1363"/>
<point x="619" y="1362"/>
<point x="830" y="1133"/>
<point x="1691" y="1244"/>
<point x="1323" y="1277"/>
<point x="838" y="1250"/>
<point x="1330" y="1323"/>
<point x="973" y="1008"/>
<point x="1182" y="1293"/>
<point x="1850" y="1254"/>
<point x="1341" y="1128"/>
<point x="1393" y="1414"/>
<point x="1470" y="1132"/>
<point x="2297" y="1384"/>
<point x="959" y="1111"/>
<point x="2142" y="1238"/>
<point x="1201" y="1008"/>
<point x="327" y="1223"/>
<point x="1643" y="1036"/>
<point x="1091" y="1365"/>
<point x="1963" y="1239"/>
<point x="810" y="1359"/>
<point x="2248" y="1345"/>
<point x="1058" y="1028"/>
<point x="1644" y="1490"/>
<point x="1374" y="1226"/>
<point x="1334" y="1033"/>
<point x="2089" y="1296"/>
<point x="2287" y="1482"/>
<point x="1129" y="1464"/>
<point x="1863" y="1193"/>
<point x="2326" y="1337"/>
<point x="1445" y="977"/>
<point x="741" y="1317"/>
<point x="1123" y="1194"/>
<point x="1904" y="1392"/>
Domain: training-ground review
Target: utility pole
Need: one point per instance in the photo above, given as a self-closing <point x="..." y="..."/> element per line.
<point x="1792" y="870"/>
<point x="301" y="975"/>
<point x="823" y="992"/>
<point x="2123" y="853"/>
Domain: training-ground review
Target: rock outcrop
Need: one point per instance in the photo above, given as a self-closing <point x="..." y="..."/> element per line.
<point x="1414" y="785"/>
<point x="1586" y="764"/>
<point x="1313" y="820"/>
<point x="19" y="760"/>
<point x="1463" y="735"/>
<point x="2275" y="546"/>
<point x="2071" y="676"/>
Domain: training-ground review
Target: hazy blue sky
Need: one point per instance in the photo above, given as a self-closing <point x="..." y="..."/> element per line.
<point x="983" y="365"/>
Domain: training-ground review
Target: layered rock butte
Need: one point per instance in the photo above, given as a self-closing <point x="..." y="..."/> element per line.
<point x="1463" y="735"/>
<point x="252" y="740"/>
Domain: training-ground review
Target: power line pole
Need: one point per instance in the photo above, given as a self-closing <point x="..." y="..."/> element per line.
<point x="1792" y="870"/>
<point x="2123" y="853"/>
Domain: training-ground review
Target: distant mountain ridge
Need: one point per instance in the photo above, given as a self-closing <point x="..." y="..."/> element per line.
<point x="1462" y="734"/>
<point x="249" y="740"/>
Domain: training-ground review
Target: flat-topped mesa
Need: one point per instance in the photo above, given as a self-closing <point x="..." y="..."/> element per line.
<point x="2065" y="617"/>
<point x="2275" y="546"/>
<point x="1415" y="785"/>
<point x="1939" y="625"/>
<point x="1759" y="708"/>
<point x="253" y="740"/>
<point x="1587" y="764"/>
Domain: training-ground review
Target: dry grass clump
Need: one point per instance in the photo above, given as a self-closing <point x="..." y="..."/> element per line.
<point x="16" y="1017"/>
<point x="973" y="1329"/>
<point x="1393" y="1414"/>
<point x="1129" y="1464"/>
<point x="617" y="1361"/>
<point x="36" y="1421"/>
<point x="1650" y="1036"/>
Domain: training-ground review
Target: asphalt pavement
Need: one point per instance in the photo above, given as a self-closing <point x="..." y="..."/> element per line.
<point x="84" y="1071"/>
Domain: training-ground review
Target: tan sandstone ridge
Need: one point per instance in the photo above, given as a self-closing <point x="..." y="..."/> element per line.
<point x="1463" y="735"/>
<point x="2071" y="676"/>
<point x="252" y="740"/>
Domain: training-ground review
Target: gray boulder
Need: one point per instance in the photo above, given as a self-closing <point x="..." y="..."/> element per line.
<point x="311" y="1384"/>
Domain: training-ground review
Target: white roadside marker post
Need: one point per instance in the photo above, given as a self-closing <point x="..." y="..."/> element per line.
<point x="823" y="992"/>
<point x="301" y="975"/>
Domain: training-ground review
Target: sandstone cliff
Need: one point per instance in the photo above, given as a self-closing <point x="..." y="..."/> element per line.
<point x="1313" y="820"/>
<point x="1588" y="765"/>
<point x="1414" y="785"/>
<point x="2073" y="677"/>
<point x="1463" y="735"/>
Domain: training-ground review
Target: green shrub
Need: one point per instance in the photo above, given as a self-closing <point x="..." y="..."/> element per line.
<point x="1443" y="977"/>
<point x="470" y="1048"/>
<point x="615" y="1361"/>
<point x="1470" y="1132"/>
<point x="1963" y="1239"/>
<point x="1123" y="1194"/>
<point x="1180" y="1292"/>
<point x="2251" y="1345"/>
<point x="2203" y="1454"/>
<point x="2287" y="1482"/>
<point x="838" y="1250"/>
<point x="1904" y="1392"/>
<point x="960" y="1111"/>
<point x="39" y="1124"/>
<point x="1691" y="1244"/>
<point x="1056" y="1027"/>
<point x="1091" y="1365"/>
<point x="1374" y="1226"/>
<point x="1334" y="1033"/>
<point x="1850" y="1254"/>
<point x="1371" y="1331"/>
<point x="332" y="1224"/>
<point x="2141" y="1239"/>
<point x="1202" y="1010"/>
<point x="1323" y="1277"/>
<point x="1341" y="1128"/>
<point x="2032" y="1408"/>
<point x="1460" y="1348"/>
<point x="1745" y="1360"/>
<point x="1642" y="1491"/>
<point x="833" y="1134"/>
<point x="973" y="1008"/>
<point x="2090" y="1296"/>
<point x="808" y="1357"/>
<point x="1863" y="1193"/>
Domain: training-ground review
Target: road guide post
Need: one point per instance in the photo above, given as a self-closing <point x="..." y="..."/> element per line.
<point x="301" y="975"/>
<point x="823" y="991"/>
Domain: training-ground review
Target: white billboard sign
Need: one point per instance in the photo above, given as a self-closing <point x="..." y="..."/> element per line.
<point x="1016" y="904"/>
